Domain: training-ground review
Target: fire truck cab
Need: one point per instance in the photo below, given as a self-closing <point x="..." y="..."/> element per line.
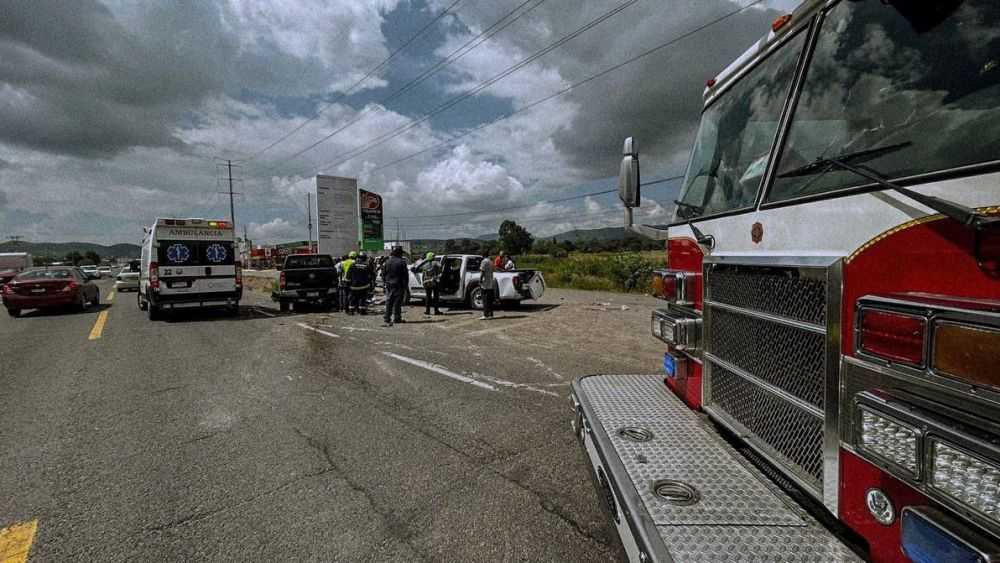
<point x="831" y="319"/>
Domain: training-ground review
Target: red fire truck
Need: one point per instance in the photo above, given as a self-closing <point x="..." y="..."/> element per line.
<point x="831" y="312"/>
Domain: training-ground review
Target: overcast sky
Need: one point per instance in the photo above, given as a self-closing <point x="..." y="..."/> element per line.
<point x="114" y="112"/>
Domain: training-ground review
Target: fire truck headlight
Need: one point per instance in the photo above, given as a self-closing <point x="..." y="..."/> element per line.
<point x="655" y="325"/>
<point x="966" y="478"/>
<point x="890" y="441"/>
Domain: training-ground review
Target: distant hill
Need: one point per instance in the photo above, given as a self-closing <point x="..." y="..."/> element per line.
<point x="125" y="250"/>
<point x="60" y="249"/>
<point x="602" y="234"/>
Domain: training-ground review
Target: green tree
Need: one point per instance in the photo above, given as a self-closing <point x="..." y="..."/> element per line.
<point x="74" y="258"/>
<point x="515" y="238"/>
<point x="92" y="257"/>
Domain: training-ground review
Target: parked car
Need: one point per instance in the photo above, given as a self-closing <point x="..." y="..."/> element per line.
<point x="42" y="288"/>
<point x="91" y="272"/>
<point x="127" y="280"/>
<point x="460" y="282"/>
<point x="104" y="271"/>
<point x="307" y="278"/>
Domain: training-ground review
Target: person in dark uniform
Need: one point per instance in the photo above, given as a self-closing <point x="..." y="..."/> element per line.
<point x="360" y="280"/>
<point x="396" y="276"/>
<point x="432" y="285"/>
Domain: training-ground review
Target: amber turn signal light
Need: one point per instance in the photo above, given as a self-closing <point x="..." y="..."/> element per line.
<point x="967" y="352"/>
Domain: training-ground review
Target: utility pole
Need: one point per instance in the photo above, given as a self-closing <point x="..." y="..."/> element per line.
<point x="232" y="209"/>
<point x="309" y="218"/>
<point x="230" y="164"/>
<point x="15" y="240"/>
<point x="397" y="232"/>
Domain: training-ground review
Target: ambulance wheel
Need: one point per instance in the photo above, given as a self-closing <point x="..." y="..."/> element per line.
<point x="152" y="311"/>
<point x="283" y="305"/>
<point x="143" y="304"/>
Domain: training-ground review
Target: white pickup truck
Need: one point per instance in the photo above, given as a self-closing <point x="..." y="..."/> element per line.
<point x="460" y="281"/>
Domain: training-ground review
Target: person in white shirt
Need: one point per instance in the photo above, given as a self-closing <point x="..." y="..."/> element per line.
<point x="509" y="265"/>
<point x="486" y="285"/>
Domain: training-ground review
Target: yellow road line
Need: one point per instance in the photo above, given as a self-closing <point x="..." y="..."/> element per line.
<point x="15" y="542"/>
<point x="111" y="296"/>
<point x="98" y="330"/>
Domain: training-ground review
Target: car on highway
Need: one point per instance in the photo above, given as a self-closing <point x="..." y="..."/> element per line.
<point x="91" y="271"/>
<point x="127" y="279"/>
<point x="104" y="271"/>
<point x="7" y="275"/>
<point x="307" y="278"/>
<point x="460" y="282"/>
<point x="48" y="287"/>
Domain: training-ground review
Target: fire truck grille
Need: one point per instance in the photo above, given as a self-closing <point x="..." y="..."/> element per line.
<point x="789" y="434"/>
<point x="778" y="291"/>
<point x="797" y="369"/>
<point x="766" y="359"/>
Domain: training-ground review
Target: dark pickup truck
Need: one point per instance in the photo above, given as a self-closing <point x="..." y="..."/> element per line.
<point x="307" y="278"/>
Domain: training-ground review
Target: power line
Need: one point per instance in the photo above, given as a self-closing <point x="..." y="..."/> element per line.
<point x="544" y="202"/>
<point x="370" y="73"/>
<point x="558" y="93"/>
<point x="358" y="151"/>
<point x="437" y="67"/>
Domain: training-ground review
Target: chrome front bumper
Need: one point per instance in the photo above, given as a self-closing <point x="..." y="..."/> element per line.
<point x="677" y="491"/>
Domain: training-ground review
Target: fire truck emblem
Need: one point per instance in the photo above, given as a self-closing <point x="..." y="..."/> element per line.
<point x="757" y="232"/>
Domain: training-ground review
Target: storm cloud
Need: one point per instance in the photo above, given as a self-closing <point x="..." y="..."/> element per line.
<point x="114" y="111"/>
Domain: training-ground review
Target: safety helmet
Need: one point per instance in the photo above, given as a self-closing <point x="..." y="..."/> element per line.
<point x="362" y="255"/>
<point x="352" y="254"/>
<point x="430" y="255"/>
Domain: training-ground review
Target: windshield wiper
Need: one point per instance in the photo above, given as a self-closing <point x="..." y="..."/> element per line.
<point x="686" y="211"/>
<point x="825" y="164"/>
<point x="964" y="215"/>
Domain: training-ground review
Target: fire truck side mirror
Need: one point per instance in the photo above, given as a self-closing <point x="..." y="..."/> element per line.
<point x="628" y="178"/>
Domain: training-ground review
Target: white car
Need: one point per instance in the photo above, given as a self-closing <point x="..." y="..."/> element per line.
<point x="127" y="280"/>
<point x="104" y="271"/>
<point x="91" y="272"/>
<point x="460" y="282"/>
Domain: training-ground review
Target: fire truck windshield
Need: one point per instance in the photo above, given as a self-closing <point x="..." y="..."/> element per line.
<point x="734" y="140"/>
<point x="902" y="92"/>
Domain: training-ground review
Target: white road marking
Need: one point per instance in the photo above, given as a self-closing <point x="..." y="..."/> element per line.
<point x="440" y="370"/>
<point x="541" y="364"/>
<point x="314" y="329"/>
<point x="514" y="385"/>
<point x="263" y="312"/>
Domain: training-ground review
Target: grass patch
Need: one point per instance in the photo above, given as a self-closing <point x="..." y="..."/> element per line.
<point x="596" y="271"/>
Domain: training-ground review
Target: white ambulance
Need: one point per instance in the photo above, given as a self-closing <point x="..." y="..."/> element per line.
<point x="188" y="263"/>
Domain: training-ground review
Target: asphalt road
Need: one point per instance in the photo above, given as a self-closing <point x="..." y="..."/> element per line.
<point x="308" y="437"/>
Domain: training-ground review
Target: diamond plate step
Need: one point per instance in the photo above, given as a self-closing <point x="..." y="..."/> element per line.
<point x="739" y="516"/>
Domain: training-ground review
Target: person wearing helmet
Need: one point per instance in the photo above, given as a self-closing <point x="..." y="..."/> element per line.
<point x="345" y="282"/>
<point x="359" y="277"/>
<point x="396" y="276"/>
<point x="432" y="284"/>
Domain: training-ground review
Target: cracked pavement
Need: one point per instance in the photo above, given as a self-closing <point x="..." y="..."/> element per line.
<point x="209" y="438"/>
